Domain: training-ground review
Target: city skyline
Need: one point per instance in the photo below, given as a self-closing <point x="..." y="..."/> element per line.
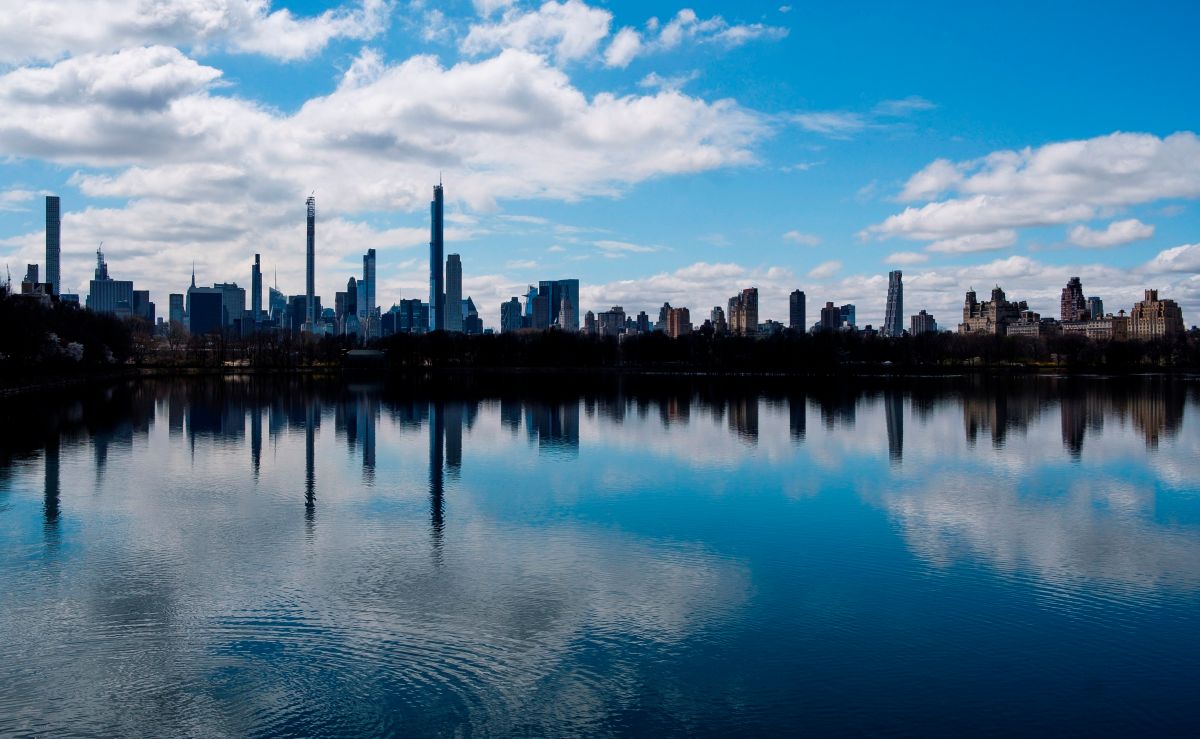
<point x="768" y="175"/>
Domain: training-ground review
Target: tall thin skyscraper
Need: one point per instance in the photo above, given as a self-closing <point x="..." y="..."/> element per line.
<point x="893" y="320"/>
<point x="256" y="290"/>
<point x="796" y="311"/>
<point x="53" y="242"/>
<point x="310" y="303"/>
<point x="454" y="317"/>
<point x="437" y="295"/>
<point x="366" y="307"/>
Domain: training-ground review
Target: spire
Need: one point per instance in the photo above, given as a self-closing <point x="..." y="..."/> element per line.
<point x="193" y="273"/>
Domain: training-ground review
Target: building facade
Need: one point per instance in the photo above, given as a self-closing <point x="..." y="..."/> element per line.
<point x="1072" y="304"/>
<point x="1153" y="318"/>
<point x="893" y="319"/>
<point x="437" y="292"/>
<point x="922" y="323"/>
<point x="454" y="316"/>
<point x="53" y="243"/>
<point x="796" y="310"/>
<point x="742" y="313"/>
<point x="310" y="274"/>
<point x="990" y="316"/>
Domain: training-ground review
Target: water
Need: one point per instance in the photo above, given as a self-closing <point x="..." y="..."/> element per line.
<point x="653" y="557"/>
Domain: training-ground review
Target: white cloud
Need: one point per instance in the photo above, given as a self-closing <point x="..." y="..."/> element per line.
<point x="12" y="200"/>
<point x="571" y="30"/>
<point x="903" y="107"/>
<point x="1052" y="184"/>
<point x="676" y="82"/>
<point x="825" y="270"/>
<point x="624" y="47"/>
<point x="50" y="29"/>
<point x="1116" y="233"/>
<point x="487" y="7"/>
<point x="685" y="28"/>
<point x="1183" y="259"/>
<point x="835" y="124"/>
<point x="975" y="243"/>
<point x="218" y="177"/>
<point x="624" y="247"/>
<point x="804" y="239"/>
<point x="906" y="257"/>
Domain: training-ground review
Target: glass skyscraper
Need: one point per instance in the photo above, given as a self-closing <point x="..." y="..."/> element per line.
<point x="53" y="242"/>
<point x="437" y="293"/>
<point x="454" y="313"/>
<point x="310" y="300"/>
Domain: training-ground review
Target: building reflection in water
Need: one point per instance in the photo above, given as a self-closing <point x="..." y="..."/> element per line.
<point x="437" y="434"/>
<point x="797" y="416"/>
<point x="310" y="472"/>
<point x="50" y="495"/>
<point x="893" y="408"/>
<point x="555" y="425"/>
<point x="743" y="418"/>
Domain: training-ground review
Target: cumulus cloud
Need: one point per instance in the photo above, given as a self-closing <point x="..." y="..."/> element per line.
<point x="1178" y="260"/>
<point x="975" y="243"/>
<point x="200" y="168"/>
<point x="50" y="29"/>
<point x="1048" y="185"/>
<point x="1116" y="233"/>
<point x="825" y="269"/>
<point x="804" y="239"/>
<point x="685" y="28"/>
<point x="570" y="30"/>
<point x="903" y="258"/>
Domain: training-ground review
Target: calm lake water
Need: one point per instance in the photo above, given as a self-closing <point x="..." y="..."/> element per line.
<point x="653" y="557"/>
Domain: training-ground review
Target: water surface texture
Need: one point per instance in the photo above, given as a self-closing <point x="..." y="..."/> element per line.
<point x="654" y="557"/>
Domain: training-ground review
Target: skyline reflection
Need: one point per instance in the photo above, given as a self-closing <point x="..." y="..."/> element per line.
<point x="522" y="562"/>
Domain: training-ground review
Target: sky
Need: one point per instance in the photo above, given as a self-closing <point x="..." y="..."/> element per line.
<point x="656" y="151"/>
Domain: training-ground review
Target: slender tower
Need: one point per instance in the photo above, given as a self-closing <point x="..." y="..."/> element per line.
<point x="454" y="319"/>
<point x="893" y="320"/>
<point x="437" y="295"/>
<point x="53" y="243"/>
<point x="366" y="308"/>
<point x="310" y="303"/>
<point x="256" y="290"/>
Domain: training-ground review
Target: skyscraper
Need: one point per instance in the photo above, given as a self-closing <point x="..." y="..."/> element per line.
<point x="796" y="311"/>
<point x="557" y="302"/>
<point x="437" y="295"/>
<point x="454" y="317"/>
<point x="1073" y="306"/>
<point x="256" y="291"/>
<point x="310" y="298"/>
<point x="53" y="242"/>
<point x="366" y="308"/>
<point x="893" y="320"/>
<point x="743" y="312"/>
<point x="1095" y="307"/>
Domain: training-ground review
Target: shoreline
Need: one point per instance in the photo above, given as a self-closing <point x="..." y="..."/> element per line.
<point x="26" y="384"/>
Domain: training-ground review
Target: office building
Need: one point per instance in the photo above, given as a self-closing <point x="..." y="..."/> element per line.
<point x="643" y="322"/>
<point x="366" y="308"/>
<point x="510" y="315"/>
<point x="589" y="324"/>
<point x="796" y="310"/>
<point x="611" y="322"/>
<point x="175" y="308"/>
<point x="31" y="274"/>
<point x="437" y="293"/>
<point x="678" y="322"/>
<point x="893" y="319"/>
<point x="846" y="316"/>
<point x="53" y="243"/>
<point x="743" y="312"/>
<point x="1153" y="318"/>
<point x="310" y="278"/>
<point x="1072" y="304"/>
<point x="141" y="306"/>
<point x="557" y="305"/>
<point x="106" y="295"/>
<point x="454" y="315"/>
<point x="990" y="316"/>
<point x="277" y="303"/>
<point x="831" y="317"/>
<point x="717" y="318"/>
<point x="256" y="292"/>
<point x="922" y="323"/>
<point x="205" y="310"/>
<point x="1095" y="307"/>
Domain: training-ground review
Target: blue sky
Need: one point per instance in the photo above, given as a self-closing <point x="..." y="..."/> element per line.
<point x="681" y="159"/>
